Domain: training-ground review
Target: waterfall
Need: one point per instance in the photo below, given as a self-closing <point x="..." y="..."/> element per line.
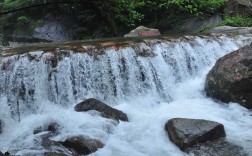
<point x="116" y="75"/>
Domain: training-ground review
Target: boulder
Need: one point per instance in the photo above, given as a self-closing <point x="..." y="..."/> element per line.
<point x="82" y="145"/>
<point x="188" y="132"/>
<point x="143" y="32"/>
<point x="230" y="80"/>
<point x="218" y="147"/>
<point x="231" y="30"/>
<point x="105" y="110"/>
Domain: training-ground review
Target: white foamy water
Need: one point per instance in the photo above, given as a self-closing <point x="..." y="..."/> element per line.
<point x="150" y="90"/>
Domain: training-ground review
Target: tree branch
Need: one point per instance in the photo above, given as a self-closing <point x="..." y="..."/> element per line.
<point x="44" y="4"/>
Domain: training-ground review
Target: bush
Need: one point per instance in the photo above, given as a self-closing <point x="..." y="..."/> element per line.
<point x="198" y="7"/>
<point x="237" y="21"/>
<point x="22" y="20"/>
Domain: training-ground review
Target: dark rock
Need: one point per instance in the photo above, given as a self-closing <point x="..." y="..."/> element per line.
<point x="143" y="32"/>
<point x="49" y="144"/>
<point x="105" y="110"/>
<point x="230" y="80"/>
<point x="54" y="154"/>
<point x="82" y="145"/>
<point x="188" y="132"/>
<point x="52" y="127"/>
<point x="218" y="147"/>
<point x="52" y="146"/>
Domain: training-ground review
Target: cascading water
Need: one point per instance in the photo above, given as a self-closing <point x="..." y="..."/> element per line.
<point x="151" y="83"/>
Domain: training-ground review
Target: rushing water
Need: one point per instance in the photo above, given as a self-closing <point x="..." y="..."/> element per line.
<point x="149" y="89"/>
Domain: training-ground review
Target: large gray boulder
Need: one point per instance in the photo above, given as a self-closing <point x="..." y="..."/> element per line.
<point x="188" y="132"/>
<point x="105" y="110"/>
<point x="142" y="31"/>
<point x="230" y="80"/>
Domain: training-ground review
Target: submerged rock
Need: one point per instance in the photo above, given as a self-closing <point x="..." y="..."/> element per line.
<point x="52" y="127"/>
<point x="230" y="80"/>
<point x="188" y="132"/>
<point x="105" y="110"/>
<point x="218" y="147"/>
<point x="143" y="32"/>
<point x="54" y="154"/>
<point x="82" y="145"/>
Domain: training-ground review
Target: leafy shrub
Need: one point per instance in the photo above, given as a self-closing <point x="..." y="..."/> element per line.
<point x="198" y="7"/>
<point x="22" y="20"/>
<point x="237" y="21"/>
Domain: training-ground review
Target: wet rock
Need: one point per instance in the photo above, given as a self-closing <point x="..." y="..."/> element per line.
<point x="230" y="80"/>
<point x="105" y="110"/>
<point x="143" y="32"/>
<point x="52" y="146"/>
<point x="49" y="144"/>
<point x="52" y="127"/>
<point x="54" y="154"/>
<point x="143" y="50"/>
<point x="82" y="145"/>
<point x="188" y="132"/>
<point x="218" y="147"/>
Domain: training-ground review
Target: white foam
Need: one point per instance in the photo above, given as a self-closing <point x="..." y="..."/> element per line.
<point x="150" y="90"/>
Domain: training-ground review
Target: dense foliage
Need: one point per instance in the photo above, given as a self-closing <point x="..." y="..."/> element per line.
<point x="109" y="15"/>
